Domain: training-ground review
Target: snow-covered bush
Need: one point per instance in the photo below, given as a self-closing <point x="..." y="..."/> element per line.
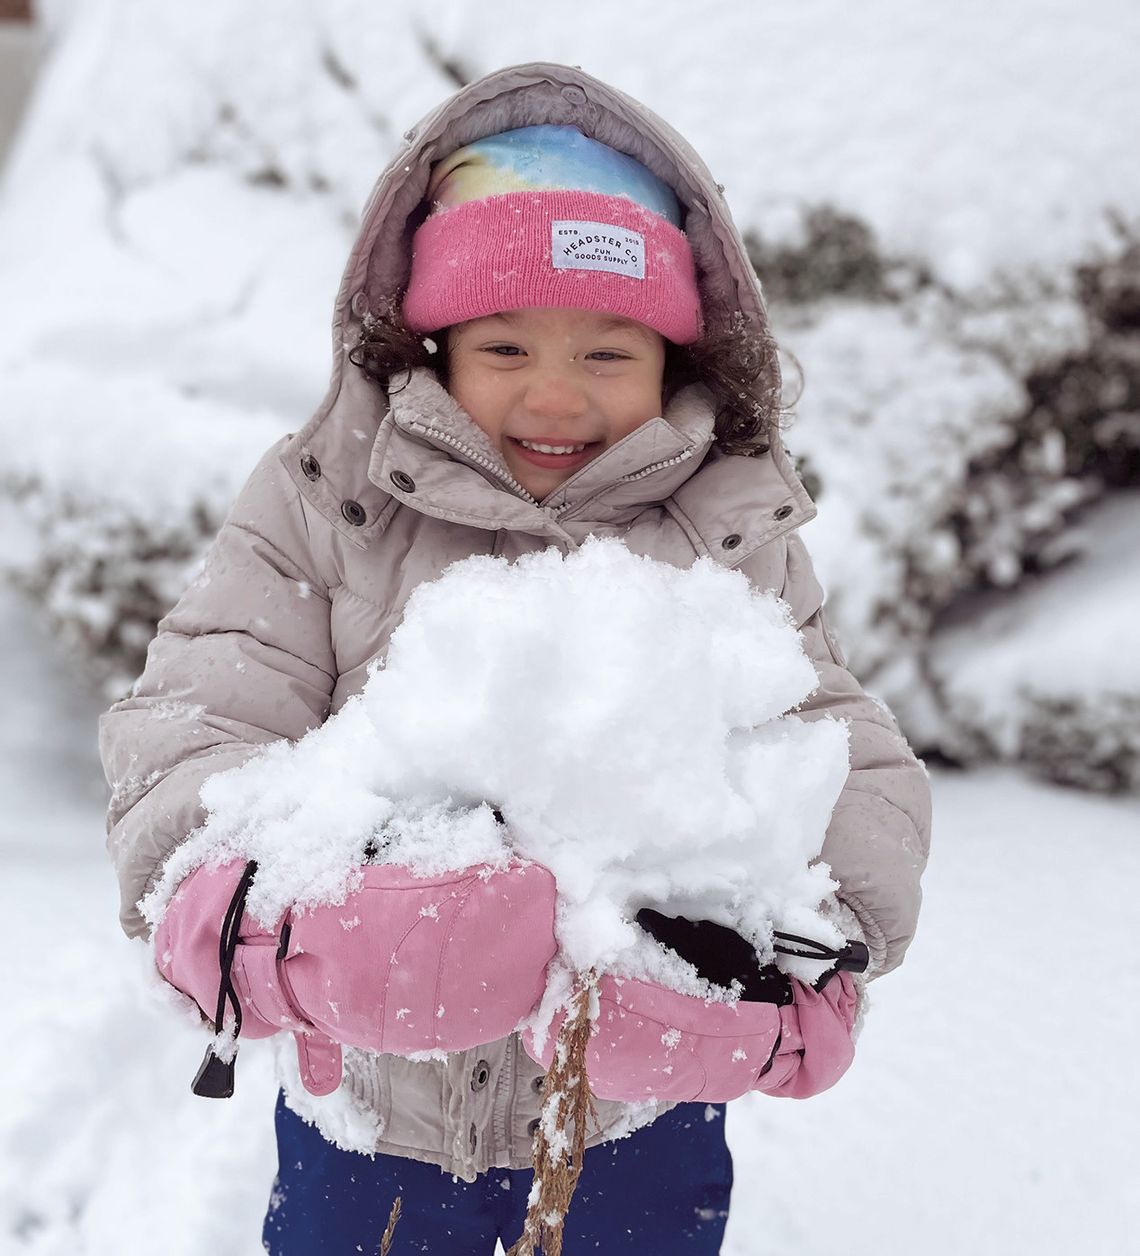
<point x="145" y="367"/>
<point x="835" y="254"/>
<point x="1082" y="741"/>
<point x="1048" y="674"/>
<point x="894" y="412"/>
<point x="115" y="512"/>
<point x="1098" y="397"/>
<point x="1077" y="437"/>
<point x="951" y="443"/>
<point x="1076" y="443"/>
<point x="958" y="436"/>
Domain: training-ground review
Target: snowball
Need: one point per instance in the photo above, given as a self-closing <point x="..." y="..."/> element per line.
<point x="628" y="720"/>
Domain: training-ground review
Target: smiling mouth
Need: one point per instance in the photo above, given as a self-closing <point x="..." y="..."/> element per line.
<point x="540" y="447"/>
<point x="555" y="454"/>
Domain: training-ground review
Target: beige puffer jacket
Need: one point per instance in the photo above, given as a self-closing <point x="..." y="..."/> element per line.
<point x="339" y="522"/>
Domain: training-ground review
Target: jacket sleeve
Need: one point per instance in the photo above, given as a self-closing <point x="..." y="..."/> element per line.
<point x="878" y="838"/>
<point x="245" y="658"/>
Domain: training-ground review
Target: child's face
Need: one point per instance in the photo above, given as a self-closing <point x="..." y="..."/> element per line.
<point x="575" y="380"/>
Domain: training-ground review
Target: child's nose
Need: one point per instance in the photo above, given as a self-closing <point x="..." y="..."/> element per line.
<point x="551" y="394"/>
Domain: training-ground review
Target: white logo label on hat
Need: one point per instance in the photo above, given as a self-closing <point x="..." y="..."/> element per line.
<point x="597" y="246"/>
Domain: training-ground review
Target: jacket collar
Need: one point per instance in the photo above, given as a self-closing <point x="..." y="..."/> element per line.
<point x="432" y="456"/>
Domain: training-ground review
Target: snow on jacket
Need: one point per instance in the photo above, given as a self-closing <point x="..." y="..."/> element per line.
<point x="339" y="523"/>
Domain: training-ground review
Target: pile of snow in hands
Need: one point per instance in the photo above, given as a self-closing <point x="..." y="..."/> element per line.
<point x="626" y="717"/>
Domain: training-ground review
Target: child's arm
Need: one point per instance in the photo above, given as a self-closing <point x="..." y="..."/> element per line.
<point x="243" y="659"/>
<point x="878" y="838"/>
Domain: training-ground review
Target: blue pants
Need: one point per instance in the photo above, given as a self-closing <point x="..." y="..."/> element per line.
<point x="663" y="1189"/>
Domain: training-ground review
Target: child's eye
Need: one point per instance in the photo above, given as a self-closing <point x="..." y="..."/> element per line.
<point x="608" y="355"/>
<point x="504" y="351"/>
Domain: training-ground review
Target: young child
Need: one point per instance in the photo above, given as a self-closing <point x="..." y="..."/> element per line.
<point x="548" y="328"/>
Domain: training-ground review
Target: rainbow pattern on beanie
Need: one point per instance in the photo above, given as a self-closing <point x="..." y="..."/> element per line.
<point x="545" y="216"/>
<point x="545" y="158"/>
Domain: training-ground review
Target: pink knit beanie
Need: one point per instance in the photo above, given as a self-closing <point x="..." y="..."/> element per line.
<point x="545" y="216"/>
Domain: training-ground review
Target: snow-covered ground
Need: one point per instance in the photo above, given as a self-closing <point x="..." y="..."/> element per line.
<point x="992" y="1108"/>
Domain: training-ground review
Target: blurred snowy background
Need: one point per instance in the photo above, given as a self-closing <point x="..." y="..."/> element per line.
<point x="943" y="204"/>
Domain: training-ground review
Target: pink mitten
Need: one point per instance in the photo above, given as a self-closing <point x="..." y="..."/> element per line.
<point x="405" y="964"/>
<point x="651" y="1042"/>
<point x="816" y="1047"/>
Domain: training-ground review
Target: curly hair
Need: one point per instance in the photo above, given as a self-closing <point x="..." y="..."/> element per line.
<point x="738" y="364"/>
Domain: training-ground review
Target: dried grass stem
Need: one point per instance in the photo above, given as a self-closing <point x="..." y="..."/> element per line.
<point x="560" y="1140"/>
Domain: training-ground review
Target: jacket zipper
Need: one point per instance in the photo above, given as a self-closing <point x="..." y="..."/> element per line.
<point x="684" y="456"/>
<point x="633" y="476"/>
<point x="504" y="1100"/>
<point x="507" y="479"/>
<point x="510" y="482"/>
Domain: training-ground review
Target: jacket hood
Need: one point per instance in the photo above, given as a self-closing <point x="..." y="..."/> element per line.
<point x="379" y="262"/>
<point x="528" y="95"/>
